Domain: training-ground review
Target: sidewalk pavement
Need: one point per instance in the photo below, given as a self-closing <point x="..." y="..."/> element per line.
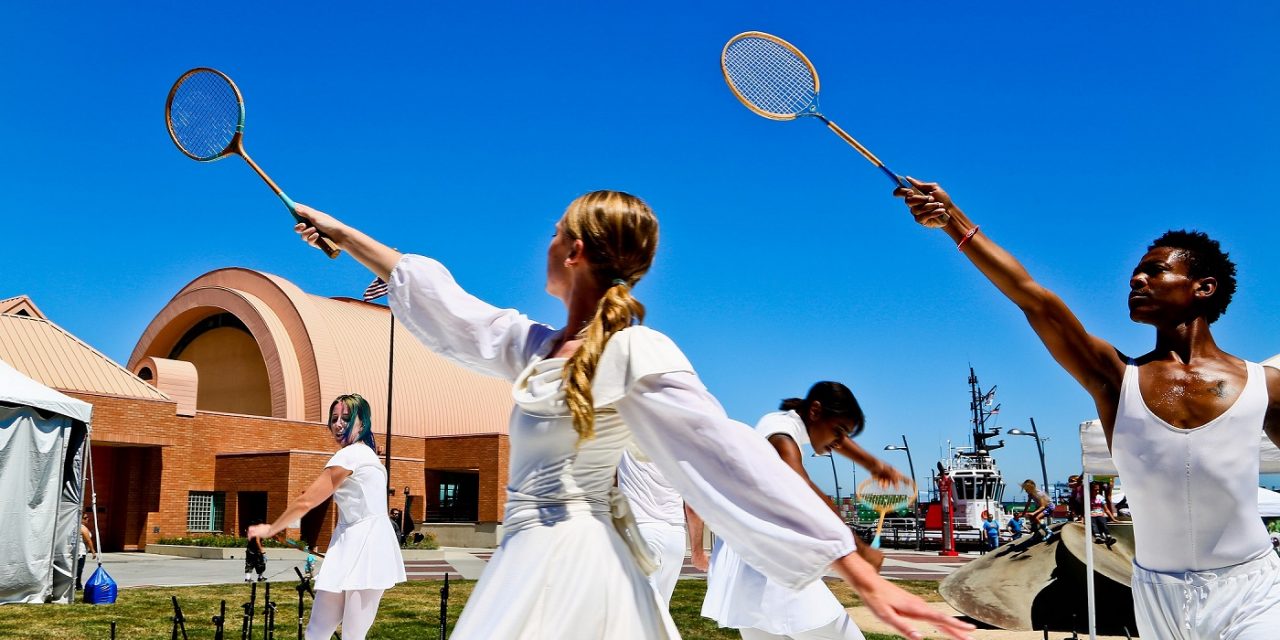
<point x="154" y="570"/>
<point x="868" y="622"/>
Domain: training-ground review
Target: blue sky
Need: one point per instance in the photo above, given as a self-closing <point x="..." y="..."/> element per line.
<point x="1073" y="133"/>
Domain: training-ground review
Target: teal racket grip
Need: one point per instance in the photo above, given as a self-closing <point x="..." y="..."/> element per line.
<point x="326" y="245"/>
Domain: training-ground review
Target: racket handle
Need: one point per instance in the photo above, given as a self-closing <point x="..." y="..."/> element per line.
<point x="323" y="242"/>
<point x="936" y="223"/>
<point x="940" y="221"/>
<point x="875" y="542"/>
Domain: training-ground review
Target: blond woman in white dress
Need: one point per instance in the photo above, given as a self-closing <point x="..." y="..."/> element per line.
<point x="571" y="563"/>
<point x="363" y="558"/>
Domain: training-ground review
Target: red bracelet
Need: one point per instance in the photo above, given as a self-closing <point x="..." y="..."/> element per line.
<point x="960" y="245"/>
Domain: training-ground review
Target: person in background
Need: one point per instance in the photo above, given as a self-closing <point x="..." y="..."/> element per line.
<point x="86" y="547"/>
<point x="363" y="559"/>
<point x="397" y="523"/>
<point x="1015" y="526"/>
<point x="1075" y="504"/>
<point x="992" y="530"/>
<point x="1100" y="513"/>
<point x="1041" y="513"/>
<point x="255" y="559"/>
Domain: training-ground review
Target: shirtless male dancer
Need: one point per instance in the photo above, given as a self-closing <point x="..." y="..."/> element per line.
<point x="1183" y="423"/>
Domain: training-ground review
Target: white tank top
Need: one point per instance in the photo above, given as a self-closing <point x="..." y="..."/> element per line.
<point x="1193" y="492"/>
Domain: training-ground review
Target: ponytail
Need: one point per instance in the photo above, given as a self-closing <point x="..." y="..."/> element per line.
<point x="792" y="404"/>
<point x="619" y="235"/>
<point x="616" y="311"/>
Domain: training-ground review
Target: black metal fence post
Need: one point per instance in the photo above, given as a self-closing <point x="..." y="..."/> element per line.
<point x="219" y="620"/>
<point x="444" y="607"/>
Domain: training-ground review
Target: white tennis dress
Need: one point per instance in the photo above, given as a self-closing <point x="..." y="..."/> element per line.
<point x="740" y="597"/>
<point x="363" y="552"/>
<point x="563" y="571"/>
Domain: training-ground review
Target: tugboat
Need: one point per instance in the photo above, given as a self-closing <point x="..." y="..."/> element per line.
<point x="979" y="486"/>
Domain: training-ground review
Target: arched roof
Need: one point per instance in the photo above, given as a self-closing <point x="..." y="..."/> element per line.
<point x="317" y="348"/>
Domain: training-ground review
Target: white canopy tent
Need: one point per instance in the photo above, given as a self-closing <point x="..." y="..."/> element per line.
<point x="1096" y="459"/>
<point x="43" y="437"/>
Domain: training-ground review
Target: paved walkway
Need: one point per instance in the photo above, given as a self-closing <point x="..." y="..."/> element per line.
<point x="867" y="622"/>
<point x="145" y="569"/>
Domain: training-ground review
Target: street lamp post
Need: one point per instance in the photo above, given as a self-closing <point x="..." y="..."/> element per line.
<point x="1044" y="475"/>
<point x="835" y="477"/>
<point x="911" y="465"/>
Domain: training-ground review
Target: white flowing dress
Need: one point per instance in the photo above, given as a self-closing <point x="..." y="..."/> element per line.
<point x="363" y="552"/>
<point x="740" y="597"/>
<point x="563" y="571"/>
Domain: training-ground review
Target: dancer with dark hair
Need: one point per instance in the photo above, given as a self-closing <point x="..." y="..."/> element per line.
<point x="363" y="558"/>
<point x="1184" y="423"/>
<point x="738" y="595"/>
<point x="570" y="561"/>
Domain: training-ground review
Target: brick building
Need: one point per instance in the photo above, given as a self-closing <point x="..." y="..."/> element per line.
<point x="218" y="418"/>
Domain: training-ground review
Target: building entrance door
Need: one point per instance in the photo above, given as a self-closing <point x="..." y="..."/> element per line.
<point x="251" y="509"/>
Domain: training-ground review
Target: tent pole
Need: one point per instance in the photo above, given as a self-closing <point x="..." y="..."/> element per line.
<point x="93" y="490"/>
<point x="1087" y="507"/>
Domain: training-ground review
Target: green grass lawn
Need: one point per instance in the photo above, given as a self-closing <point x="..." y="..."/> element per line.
<point x="411" y="610"/>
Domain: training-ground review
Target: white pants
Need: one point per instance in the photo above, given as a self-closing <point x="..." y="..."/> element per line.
<point x="667" y="543"/>
<point x="354" y="610"/>
<point x="1241" y="602"/>
<point x="841" y="628"/>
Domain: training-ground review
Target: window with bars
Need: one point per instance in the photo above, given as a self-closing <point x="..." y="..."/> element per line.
<point x="204" y="510"/>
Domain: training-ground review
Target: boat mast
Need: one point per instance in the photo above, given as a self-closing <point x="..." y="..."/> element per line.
<point x="978" y="406"/>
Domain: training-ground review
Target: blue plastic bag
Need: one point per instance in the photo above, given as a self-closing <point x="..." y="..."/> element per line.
<point x="100" y="588"/>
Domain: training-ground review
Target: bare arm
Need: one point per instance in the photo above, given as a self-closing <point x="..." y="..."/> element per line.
<point x="1271" y="423"/>
<point x="317" y="493"/>
<point x="697" y="555"/>
<point x="1094" y="363"/>
<point x="789" y="451"/>
<point x="378" y="257"/>
<point x="88" y="539"/>
<point x="880" y="470"/>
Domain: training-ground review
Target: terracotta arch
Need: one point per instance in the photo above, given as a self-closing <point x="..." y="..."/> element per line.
<point x="193" y="304"/>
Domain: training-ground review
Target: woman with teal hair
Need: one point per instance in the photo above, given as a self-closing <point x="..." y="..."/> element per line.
<point x="364" y="558"/>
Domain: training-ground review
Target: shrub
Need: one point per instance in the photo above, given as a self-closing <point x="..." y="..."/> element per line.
<point x="220" y="541"/>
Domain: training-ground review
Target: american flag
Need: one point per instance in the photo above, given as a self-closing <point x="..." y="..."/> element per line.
<point x="375" y="290"/>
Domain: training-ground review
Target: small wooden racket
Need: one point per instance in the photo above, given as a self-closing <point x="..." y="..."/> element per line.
<point x="885" y="500"/>
<point x="205" y="117"/>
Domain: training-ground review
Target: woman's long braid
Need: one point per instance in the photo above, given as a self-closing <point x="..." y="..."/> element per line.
<point x="620" y="236"/>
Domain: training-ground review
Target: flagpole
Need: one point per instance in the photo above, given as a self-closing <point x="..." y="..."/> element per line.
<point x="391" y="359"/>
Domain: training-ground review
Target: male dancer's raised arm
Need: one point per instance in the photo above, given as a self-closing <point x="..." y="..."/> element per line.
<point x="1092" y="361"/>
<point x="1182" y="424"/>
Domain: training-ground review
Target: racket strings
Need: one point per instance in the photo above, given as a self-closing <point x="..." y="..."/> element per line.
<point x="885" y="501"/>
<point x="770" y="76"/>
<point x="204" y="114"/>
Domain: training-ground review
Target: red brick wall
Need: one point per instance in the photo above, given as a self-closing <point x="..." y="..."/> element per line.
<point x="147" y="459"/>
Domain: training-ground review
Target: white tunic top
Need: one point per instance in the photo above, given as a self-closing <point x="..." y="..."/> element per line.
<point x="1193" y="492"/>
<point x="363" y="552"/>
<point x="563" y="571"/>
<point x="651" y="495"/>
<point x="740" y="597"/>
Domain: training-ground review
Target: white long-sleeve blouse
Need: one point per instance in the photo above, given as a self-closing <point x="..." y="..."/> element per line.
<point x="730" y="475"/>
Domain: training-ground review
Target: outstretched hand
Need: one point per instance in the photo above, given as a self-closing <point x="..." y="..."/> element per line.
<point x="887" y="476"/>
<point x="260" y="531"/>
<point x="894" y="606"/>
<point x="318" y="223"/>
<point x="930" y="205"/>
